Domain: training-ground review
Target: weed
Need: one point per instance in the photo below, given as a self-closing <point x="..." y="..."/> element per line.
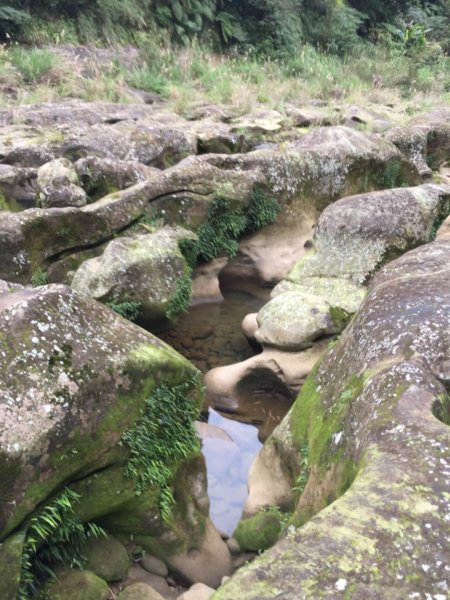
<point x="54" y="536"/>
<point x="125" y="307"/>
<point x="39" y="278"/>
<point x="162" y="437"/>
<point x="302" y="477"/>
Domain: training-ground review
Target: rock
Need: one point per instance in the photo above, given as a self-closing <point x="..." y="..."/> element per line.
<point x="233" y="546"/>
<point x="260" y="531"/>
<point x="307" y="117"/>
<point x="355" y="116"/>
<point x="11" y="565"/>
<point x="373" y="417"/>
<point x="425" y="141"/>
<point x="243" y="559"/>
<point x="261" y="389"/>
<point x="443" y="233"/>
<point x="355" y="235"/>
<point x="144" y="269"/>
<point x="154" y="565"/>
<point x="260" y="122"/>
<point x="58" y="185"/>
<point x="102" y="176"/>
<point x="107" y="558"/>
<point x="17" y="188"/>
<point x="139" y="591"/>
<point x="199" y="591"/>
<point x="77" y="367"/>
<point x="139" y="576"/>
<point x="293" y="320"/>
<point x="71" y="584"/>
<point x="8" y="288"/>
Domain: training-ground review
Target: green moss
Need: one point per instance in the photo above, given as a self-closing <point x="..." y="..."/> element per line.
<point x="260" y="531"/>
<point x="10" y="565"/>
<point x="340" y="317"/>
<point x="390" y="177"/>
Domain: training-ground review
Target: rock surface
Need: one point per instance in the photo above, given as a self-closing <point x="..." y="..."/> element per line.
<point x="71" y="584"/>
<point x="107" y="558"/>
<point x="370" y="519"/>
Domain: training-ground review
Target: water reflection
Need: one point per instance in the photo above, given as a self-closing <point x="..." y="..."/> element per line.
<point x="228" y="460"/>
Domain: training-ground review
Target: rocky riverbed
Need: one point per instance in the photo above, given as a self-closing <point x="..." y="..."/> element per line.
<point x="330" y="244"/>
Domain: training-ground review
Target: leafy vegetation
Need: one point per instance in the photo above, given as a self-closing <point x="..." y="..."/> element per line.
<point x="163" y="436"/>
<point x="38" y="278"/>
<point x="54" y="537"/>
<point x="181" y="298"/>
<point x="127" y="308"/>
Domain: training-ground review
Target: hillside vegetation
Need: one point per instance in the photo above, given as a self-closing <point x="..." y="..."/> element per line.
<point x="233" y="53"/>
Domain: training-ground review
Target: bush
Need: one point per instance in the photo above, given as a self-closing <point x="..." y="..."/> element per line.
<point x="32" y="64"/>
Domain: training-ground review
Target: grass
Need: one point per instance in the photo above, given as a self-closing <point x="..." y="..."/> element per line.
<point x="193" y="74"/>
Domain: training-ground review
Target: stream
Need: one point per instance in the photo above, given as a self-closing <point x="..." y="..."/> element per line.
<point x="210" y="335"/>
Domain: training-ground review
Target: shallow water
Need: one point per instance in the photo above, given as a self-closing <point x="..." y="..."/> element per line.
<point x="228" y="463"/>
<point x="210" y="334"/>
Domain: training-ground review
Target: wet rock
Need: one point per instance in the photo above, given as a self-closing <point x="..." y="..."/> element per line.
<point x="59" y="354"/>
<point x="107" y="558"/>
<point x="199" y="591"/>
<point x="71" y="584"/>
<point x="139" y="591"/>
<point x="154" y="565"/>
<point x="145" y="268"/>
<point x="373" y="420"/>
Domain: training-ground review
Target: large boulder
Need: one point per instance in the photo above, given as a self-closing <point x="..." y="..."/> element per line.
<point x="368" y="452"/>
<point x="58" y="185"/>
<point x="145" y="269"/>
<point x="72" y="584"/>
<point x="83" y="373"/>
<point x="356" y="235"/>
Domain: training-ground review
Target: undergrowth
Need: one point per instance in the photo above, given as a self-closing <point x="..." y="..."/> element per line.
<point x="38" y="278"/>
<point x="54" y="537"/>
<point x="163" y="437"/>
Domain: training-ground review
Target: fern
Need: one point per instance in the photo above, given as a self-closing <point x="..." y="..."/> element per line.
<point x="126" y="308"/>
<point x="54" y="536"/>
<point x="181" y="298"/>
<point x="164" y="436"/>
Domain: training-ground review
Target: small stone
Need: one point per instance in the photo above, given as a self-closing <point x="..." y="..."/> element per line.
<point x="233" y="546"/>
<point x="154" y="565"/>
<point x="199" y="591"/>
<point x="139" y="591"/>
<point x="107" y="558"/>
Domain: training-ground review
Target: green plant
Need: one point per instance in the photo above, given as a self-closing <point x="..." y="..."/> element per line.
<point x="163" y="436"/>
<point x="181" y="298"/>
<point x="302" y="477"/>
<point x="54" y="536"/>
<point x="127" y="308"/>
<point x="389" y="177"/>
<point x="218" y="234"/>
<point x="38" y="278"/>
<point x="32" y="64"/>
<point x="262" y="210"/>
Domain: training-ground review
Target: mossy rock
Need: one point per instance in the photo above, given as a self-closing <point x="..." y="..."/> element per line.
<point x="260" y="531"/>
<point x="107" y="558"/>
<point x="10" y="565"/>
<point x="71" y="584"/>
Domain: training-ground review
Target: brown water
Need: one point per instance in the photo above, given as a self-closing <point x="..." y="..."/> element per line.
<point x="210" y="335"/>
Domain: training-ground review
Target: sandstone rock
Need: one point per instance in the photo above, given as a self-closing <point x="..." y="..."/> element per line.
<point x="107" y="558"/>
<point x="355" y="235"/>
<point x="233" y="546"/>
<point x="58" y="185"/>
<point x="18" y="188"/>
<point x="374" y="417"/>
<point x="139" y="576"/>
<point x="144" y="268"/>
<point x="294" y="320"/>
<point x="307" y="117"/>
<point x="263" y="121"/>
<point x="77" y="367"/>
<point x="425" y="140"/>
<point x="139" y="591"/>
<point x="154" y="565"/>
<point x="71" y="584"/>
<point x="443" y="233"/>
<point x="199" y="591"/>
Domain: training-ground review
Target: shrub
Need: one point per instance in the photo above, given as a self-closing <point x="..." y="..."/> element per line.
<point x="126" y="308"/>
<point x="181" y="298"/>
